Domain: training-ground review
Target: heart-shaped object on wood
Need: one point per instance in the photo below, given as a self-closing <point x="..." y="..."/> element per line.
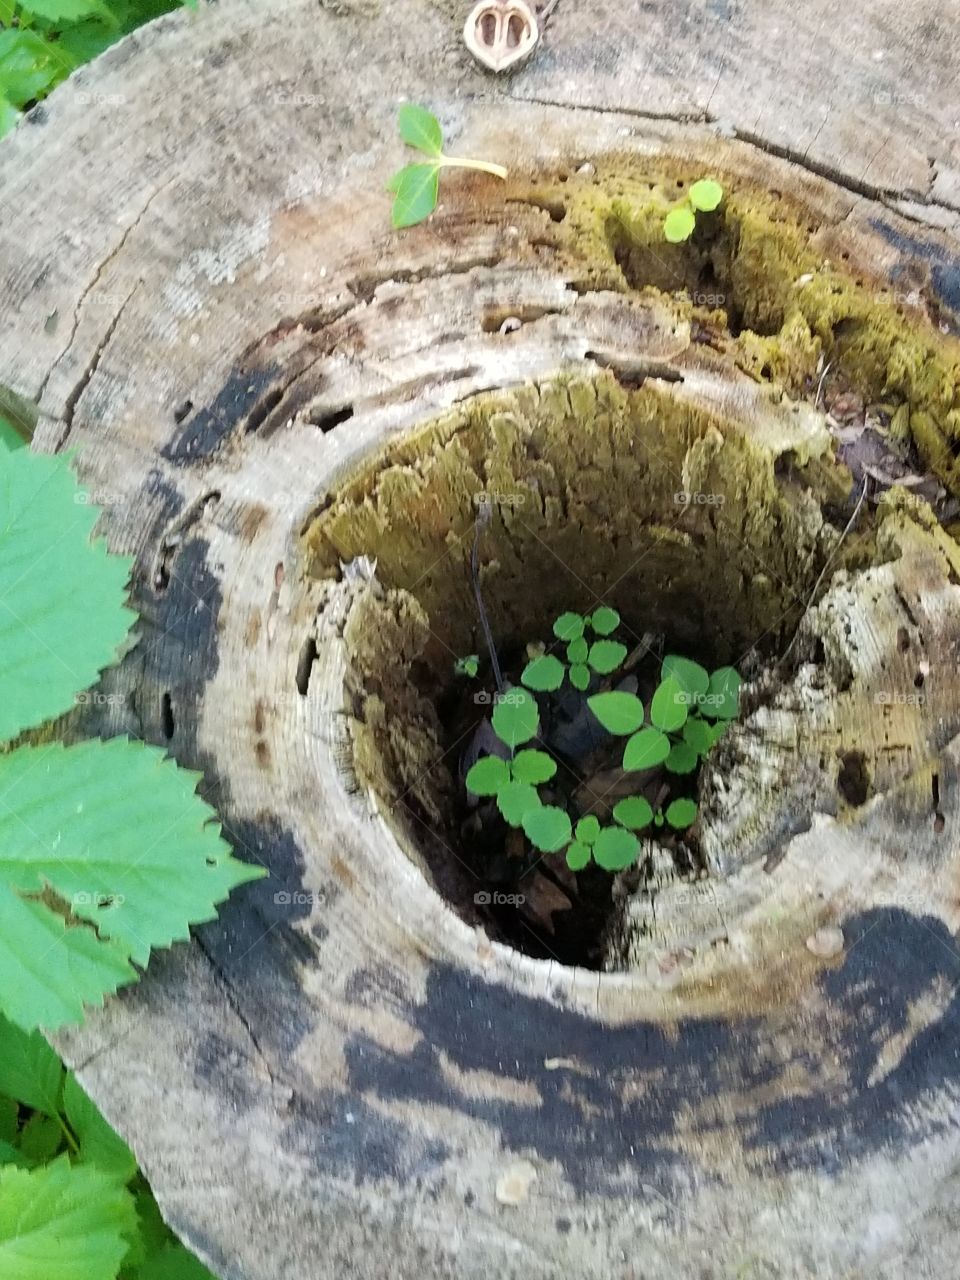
<point x="501" y="33"/>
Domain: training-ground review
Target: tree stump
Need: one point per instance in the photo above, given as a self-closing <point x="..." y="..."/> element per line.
<point x="287" y="410"/>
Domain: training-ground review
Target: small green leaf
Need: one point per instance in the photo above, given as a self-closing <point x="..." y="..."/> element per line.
<point x="588" y="829"/>
<point x="515" y="800"/>
<point x="420" y="128"/>
<point x="30" y="1071"/>
<point x="515" y="717"/>
<point x="99" y="1145"/>
<point x="533" y="767"/>
<point x="578" y="855"/>
<point x="577" y="650"/>
<point x="73" y="1222"/>
<point x="678" y="224"/>
<point x="706" y="194"/>
<point x="698" y="734"/>
<point x="722" y="701"/>
<point x="543" y="674"/>
<point x="40" y="1139"/>
<point x="548" y="828"/>
<point x="173" y="1263"/>
<point x="569" y="626"/>
<point x="604" y="620"/>
<point x="682" y="758"/>
<point x="681" y="813"/>
<point x="468" y="666"/>
<point x="615" y="849"/>
<point x="619" y="713"/>
<point x="487" y="776"/>
<point x="646" y="749"/>
<point x="718" y="730"/>
<point x="580" y="676"/>
<point x="690" y="676"/>
<point x="606" y="656"/>
<point x="668" y="710"/>
<point x="416" y="188"/>
<point x="633" y="812"/>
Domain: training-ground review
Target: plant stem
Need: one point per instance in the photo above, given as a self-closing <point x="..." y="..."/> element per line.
<point x="484" y="166"/>
<point x="484" y="513"/>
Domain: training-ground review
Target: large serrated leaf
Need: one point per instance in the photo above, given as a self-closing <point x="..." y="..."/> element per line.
<point x="65" y="10"/>
<point x="62" y="613"/>
<point x="63" y="1221"/>
<point x="116" y="832"/>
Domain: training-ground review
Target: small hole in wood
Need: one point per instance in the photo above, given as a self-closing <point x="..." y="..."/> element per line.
<point x="308" y="656"/>
<point x="327" y="421"/>
<point x="166" y="717"/>
<point x="487" y="30"/>
<point x="853" y="780"/>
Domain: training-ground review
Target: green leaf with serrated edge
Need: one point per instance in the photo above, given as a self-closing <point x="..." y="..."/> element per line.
<point x="678" y="225"/>
<point x="615" y="848"/>
<point x="577" y="650"/>
<point x="669" y="706"/>
<point x="515" y="717"/>
<point x="690" y="676"/>
<point x="487" y="776"/>
<point x="633" y="812"/>
<point x="646" y="749"/>
<point x="420" y="128"/>
<point x="415" y="194"/>
<point x="59" y="11"/>
<point x="62" y="613"/>
<point x="604" y="620"/>
<point x="533" y="767"/>
<point x="547" y="828"/>
<point x="515" y="800"/>
<point x="30" y="1071"/>
<point x="117" y="831"/>
<point x="99" y="1145"/>
<point x="680" y="813"/>
<point x="580" y="676"/>
<point x="174" y="1263"/>
<point x="569" y="626"/>
<point x="578" y="855"/>
<point x="682" y="758"/>
<point x="706" y="194"/>
<point x="588" y="829"/>
<point x="698" y="734"/>
<point x="606" y="656"/>
<point x="40" y="1139"/>
<point x="543" y="674"/>
<point x="72" y="1222"/>
<point x="722" y="700"/>
<point x="619" y="713"/>
<point x="153" y="1235"/>
<point x="27" y="66"/>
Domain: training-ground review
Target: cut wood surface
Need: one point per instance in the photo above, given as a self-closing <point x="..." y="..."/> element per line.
<point x="202" y="292"/>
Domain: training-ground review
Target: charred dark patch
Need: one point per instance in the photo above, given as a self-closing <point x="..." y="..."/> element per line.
<point x="942" y="265"/>
<point x="642" y="1094"/>
<point x="221" y="1063"/>
<point x="254" y="944"/>
<point x="182" y="651"/>
<point x="204" y="432"/>
<point x="343" y="1137"/>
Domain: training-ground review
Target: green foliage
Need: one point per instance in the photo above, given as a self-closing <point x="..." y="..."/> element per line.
<point x="416" y="186"/>
<point x="44" y="40"/>
<point x="468" y="666"/>
<point x="106" y="852"/>
<point x="704" y="196"/>
<point x="72" y="1201"/>
<point x="689" y="710"/>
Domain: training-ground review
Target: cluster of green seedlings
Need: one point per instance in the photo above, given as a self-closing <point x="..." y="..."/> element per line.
<point x="703" y="197"/>
<point x="415" y="187"/>
<point x="688" y="712"/>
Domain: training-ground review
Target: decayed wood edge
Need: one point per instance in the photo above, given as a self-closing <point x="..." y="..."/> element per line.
<point x="159" y="201"/>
